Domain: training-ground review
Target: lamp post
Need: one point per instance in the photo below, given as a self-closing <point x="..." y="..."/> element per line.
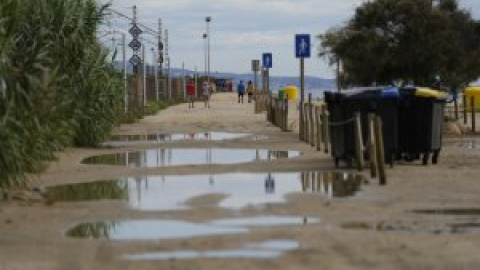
<point x="206" y="54"/>
<point x="208" y="19"/>
<point x="155" y="72"/>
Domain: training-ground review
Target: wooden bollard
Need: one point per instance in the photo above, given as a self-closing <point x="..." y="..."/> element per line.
<point x="465" y="106"/>
<point x="358" y="141"/>
<point x="276" y="112"/>
<point x="282" y="115"/>
<point x="285" y="112"/>
<point x="325" y="128"/>
<point x="319" y="128"/>
<point x="372" y="149"/>
<point x="272" y="112"/>
<point x="309" y="119"/>
<point x="472" y="108"/>
<point x="380" y="151"/>
<point x="305" y="122"/>
<point x="312" y="125"/>
<point x="279" y="113"/>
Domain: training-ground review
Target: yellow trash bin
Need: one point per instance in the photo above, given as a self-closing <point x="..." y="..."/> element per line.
<point x="472" y="91"/>
<point x="291" y="91"/>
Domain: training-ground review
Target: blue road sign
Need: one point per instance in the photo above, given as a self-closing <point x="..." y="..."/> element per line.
<point x="302" y="46"/>
<point x="267" y="60"/>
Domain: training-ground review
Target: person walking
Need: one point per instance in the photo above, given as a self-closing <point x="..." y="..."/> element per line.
<point x="240" y="91"/>
<point x="206" y="94"/>
<point x="191" y="94"/>
<point x="250" y="90"/>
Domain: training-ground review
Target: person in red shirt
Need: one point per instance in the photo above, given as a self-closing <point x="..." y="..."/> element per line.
<point x="191" y="94"/>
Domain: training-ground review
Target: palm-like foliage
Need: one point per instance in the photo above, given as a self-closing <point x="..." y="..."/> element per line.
<point x="55" y="85"/>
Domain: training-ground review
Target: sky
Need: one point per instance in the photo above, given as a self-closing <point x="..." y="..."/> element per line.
<point x="242" y="30"/>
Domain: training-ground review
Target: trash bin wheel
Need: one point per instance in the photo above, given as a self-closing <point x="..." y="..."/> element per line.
<point x="435" y="157"/>
<point x="426" y="157"/>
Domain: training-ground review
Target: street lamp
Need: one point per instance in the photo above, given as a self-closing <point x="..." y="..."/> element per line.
<point x="206" y="53"/>
<point x="155" y="72"/>
<point x="208" y="19"/>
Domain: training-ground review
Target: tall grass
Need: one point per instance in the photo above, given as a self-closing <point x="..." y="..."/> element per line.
<point x="56" y="88"/>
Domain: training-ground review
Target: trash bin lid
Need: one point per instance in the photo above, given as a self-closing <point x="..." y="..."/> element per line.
<point x="363" y="93"/>
<point x="428" y="92"/>
<point x="473" y="90"/>
<point x="391" y="92"/>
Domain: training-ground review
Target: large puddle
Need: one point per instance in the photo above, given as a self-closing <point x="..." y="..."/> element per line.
<point x="263" y="250"/>
<point x="162" y="193"/>
<point x="162" y="157"/>
<point x="142" y="230"/>
<point x="122" y="140"/>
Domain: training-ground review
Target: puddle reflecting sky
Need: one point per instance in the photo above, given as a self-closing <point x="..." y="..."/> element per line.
<point x="264" y="250"/>
<point x="140" y="230"/>
<point x="118" y="140"/>
<point x="162" y="157"/>
<point x="149" y="230"/>
<point x="242" y="189"/>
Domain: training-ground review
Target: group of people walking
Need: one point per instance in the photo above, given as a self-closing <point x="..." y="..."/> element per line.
<point x="249" y="89"/>
<point x="191" y="93"/>
<point x="241" y="89"/>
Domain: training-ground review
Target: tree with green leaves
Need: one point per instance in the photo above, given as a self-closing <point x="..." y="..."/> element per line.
<point x="406" y="41"/>
<point x="56" y="87"/>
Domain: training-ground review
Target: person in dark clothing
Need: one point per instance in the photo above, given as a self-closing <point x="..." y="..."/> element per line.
<point x="240" y="91"/>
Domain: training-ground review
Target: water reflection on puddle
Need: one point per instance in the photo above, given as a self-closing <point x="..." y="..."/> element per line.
<point x="162" y="157"/>
<point x="148" y="230"/>
<point x="264" y="250"/>
<point x="242" y="189"/>
<point x="264" y="221"/>
<point x="174" y="229"/>
<point x="118" y="140"/>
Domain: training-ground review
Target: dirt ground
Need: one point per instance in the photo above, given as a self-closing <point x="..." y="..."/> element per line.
<point x="376" y="229"/>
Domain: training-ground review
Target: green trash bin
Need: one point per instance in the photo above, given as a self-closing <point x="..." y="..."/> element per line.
<point x="281" y="94"/>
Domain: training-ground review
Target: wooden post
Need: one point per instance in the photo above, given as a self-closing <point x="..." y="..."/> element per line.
<point x="306" y="129"/>
<point x="279" y="113"/>
<point x="282" y="114"/>
<point x="380" y="151"/>
<point x="319" y="128"/>
<point x="269" y="111"/>
<point x="285" y="117"/>
<point x="312" y="120"/>
<point x="358" y="141"/>
<point x="472" y="108"/>
<point x="372" y="149"/>
<point x="465" y="109"/>
<point x="325" y="124"/>
<point x="274" y="110"/>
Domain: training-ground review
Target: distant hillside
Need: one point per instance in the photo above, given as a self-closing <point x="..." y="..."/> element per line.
<point x="276" y="82"/>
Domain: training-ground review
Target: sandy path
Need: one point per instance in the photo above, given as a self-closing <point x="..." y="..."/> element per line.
<point x="377" y="229"/>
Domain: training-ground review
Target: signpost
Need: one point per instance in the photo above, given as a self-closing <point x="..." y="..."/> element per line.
<point x="255" y="69"/>
<point x="302" y="51"/>
<point x="267" y="63"/>
<point x="267" y="60"/>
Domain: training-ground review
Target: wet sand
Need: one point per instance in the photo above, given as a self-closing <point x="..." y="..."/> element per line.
<point x="382" y="227"/>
